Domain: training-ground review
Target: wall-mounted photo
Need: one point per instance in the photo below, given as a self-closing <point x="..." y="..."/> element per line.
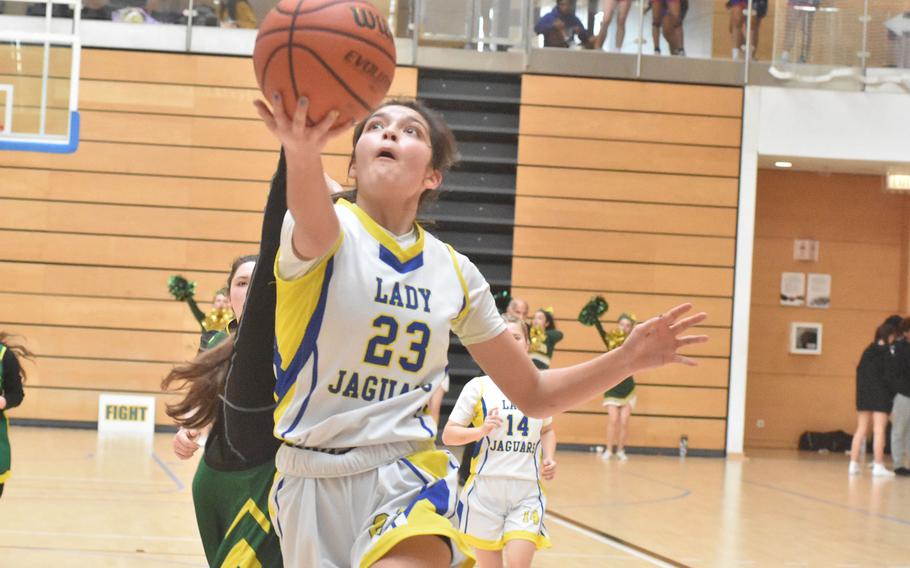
<point x="806" y="338"/>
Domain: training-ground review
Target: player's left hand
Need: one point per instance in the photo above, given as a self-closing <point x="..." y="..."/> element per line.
<point x="548" y="471"/>
<point x="2" y="402"/>
<point x="655" y="342"/>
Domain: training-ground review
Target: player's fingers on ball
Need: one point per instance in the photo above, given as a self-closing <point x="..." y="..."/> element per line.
<point x="265" y="114"/>
<point x="325" y="125"/>
<point x="298" y="125"/>
<point x="281" y="117"/>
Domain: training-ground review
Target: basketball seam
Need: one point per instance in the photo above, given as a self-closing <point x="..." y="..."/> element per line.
<point x="337" y="32"/>
<point x="291" y="51"/>
<point x="327" y="5"/>
<point x="340" y="80"/>
<point x="309" y="122"/>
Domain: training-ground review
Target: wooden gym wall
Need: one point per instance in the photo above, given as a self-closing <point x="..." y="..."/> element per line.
<point x="170" y="177"/>
<point x="629" y="190"/>
<point x="863" y="244"/>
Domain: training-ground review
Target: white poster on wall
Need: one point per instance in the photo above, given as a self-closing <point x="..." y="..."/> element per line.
<point x="792" y="288"/>
<point x="126" y="413"/>
<point x="805" y="250"/>
<point x="818" y="291"/>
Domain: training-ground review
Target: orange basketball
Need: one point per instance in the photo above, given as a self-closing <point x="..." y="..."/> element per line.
<point x="340" y="54"/>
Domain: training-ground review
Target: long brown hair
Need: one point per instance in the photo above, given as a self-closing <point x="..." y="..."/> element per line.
<point x="203" y="378"/>
<point x="18" y="349"/>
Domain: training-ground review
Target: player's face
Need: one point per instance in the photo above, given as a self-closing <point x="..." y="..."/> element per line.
<point x="625" y="325"/>
<point x="540" y="319"/>
<point x="239" y="286"/>
<point x="221" y="302"/>
<point x="564" y="6"/>
<point x="516" y="332"/>
<point x="393" y="157"/>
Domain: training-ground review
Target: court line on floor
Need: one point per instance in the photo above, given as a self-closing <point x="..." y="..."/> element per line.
<point x="169" y="472"/>
<point x="137" y="556"/>
<point x="831" y="503"/>
<point x="99" y="535"/>
<point x="617" y="543"/>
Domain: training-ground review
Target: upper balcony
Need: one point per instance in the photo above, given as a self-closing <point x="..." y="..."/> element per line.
<point x="841" y="44"/>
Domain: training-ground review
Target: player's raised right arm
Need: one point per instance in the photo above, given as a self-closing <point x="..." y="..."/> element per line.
<point x="316" y="228"/>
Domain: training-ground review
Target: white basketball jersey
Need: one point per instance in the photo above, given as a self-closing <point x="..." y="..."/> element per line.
<point x="511" y="451"/>
<point x="361" y="340"/>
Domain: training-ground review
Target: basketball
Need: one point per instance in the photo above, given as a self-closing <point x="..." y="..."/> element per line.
<point x="338" y="54"/>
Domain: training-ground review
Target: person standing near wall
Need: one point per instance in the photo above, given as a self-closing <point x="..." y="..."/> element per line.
<point x="873" y="400"/>
<point x="900" y="417"/>
<point x="11" y="394"/>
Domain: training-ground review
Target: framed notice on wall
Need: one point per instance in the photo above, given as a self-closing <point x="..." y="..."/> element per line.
<point x="792" y="288"/>
<point x="818" y="291"/>
<point x="805" y="338"/>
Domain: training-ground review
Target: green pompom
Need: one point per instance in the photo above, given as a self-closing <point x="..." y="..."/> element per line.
<point x="181" y="288"/>
<point x="590" y="314"/>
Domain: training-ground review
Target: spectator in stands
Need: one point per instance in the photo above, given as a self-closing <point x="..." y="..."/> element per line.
<point x="873" y="400"/>
<point x="236" y="14"/>
<point x="899" y="379"/>
<point x="560" y="27"/>
<point x="518" y="308"/>
<point x="96" y="10"/>
<point x="800" y="16"/>
<point x="669" y="15"/>
<point x="621" y="15"/>
<point x="738" y="21"/>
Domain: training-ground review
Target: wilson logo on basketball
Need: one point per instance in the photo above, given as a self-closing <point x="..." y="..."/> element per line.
<point x="377" y="76"/>
<point x="366" y="19"/>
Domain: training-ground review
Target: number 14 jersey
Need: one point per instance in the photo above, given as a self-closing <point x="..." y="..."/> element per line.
<point x="512" y="450"/>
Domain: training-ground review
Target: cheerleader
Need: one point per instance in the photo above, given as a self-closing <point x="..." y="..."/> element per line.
<point x="619" y="400"/>
<point x="544" y="337"/>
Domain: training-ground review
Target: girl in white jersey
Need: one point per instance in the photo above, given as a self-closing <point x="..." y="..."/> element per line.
<point x="502" y="505"/>
<point x="366" y="300"/>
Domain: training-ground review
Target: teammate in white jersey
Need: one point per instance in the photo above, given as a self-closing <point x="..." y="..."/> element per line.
<point x="502" y="504"/>
<point x="365" y="303"/>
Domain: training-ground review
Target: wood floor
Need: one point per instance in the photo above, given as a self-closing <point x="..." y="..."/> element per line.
<point x="80" y="500"/>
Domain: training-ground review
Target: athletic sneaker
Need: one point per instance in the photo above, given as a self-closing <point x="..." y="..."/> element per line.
<point x="621" y="456"/>
<point x="854" y="469"/>
<point x="606" y="455"/>
<point x="881" y="471"/>
<point x="902" y="471"/>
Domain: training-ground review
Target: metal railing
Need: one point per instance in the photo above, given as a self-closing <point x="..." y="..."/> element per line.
<point x="811" y="41"/>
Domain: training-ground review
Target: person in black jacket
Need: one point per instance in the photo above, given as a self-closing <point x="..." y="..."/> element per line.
<point x="873" y="399"/>
<point x="12" y="375"/>
<point x="899" y="380"/>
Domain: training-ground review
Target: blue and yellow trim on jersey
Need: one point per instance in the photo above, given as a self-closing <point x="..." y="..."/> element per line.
<point x="299" y="312"/>
<point x="390" y="252"/>
<point x="428" y="514"/>
<point x="541" y="541"/>
<point x="480" y="415"/>
<point x="466" y="302"/>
